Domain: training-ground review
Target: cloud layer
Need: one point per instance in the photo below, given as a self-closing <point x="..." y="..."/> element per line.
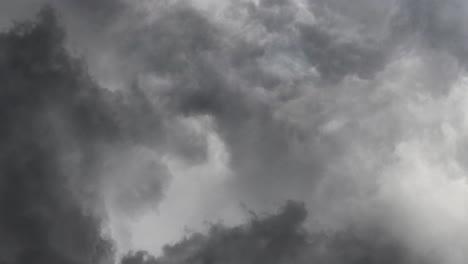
<point x="355" y="107"/>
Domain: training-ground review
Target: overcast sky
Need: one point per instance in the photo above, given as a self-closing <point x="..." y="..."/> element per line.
<point x="356" y="107"/>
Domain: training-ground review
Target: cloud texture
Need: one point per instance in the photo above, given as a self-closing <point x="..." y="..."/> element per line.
<point x="180" y="111"/>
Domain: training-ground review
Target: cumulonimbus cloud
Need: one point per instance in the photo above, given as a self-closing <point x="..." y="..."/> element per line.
<point x="355" y="107"/>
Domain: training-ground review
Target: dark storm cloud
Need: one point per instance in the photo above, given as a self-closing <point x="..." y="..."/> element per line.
<point x="41" y="222"/>
<point x="280" y="238"/>
<point x="212" y="72"/>
<point x="296" y="97"/>
<point x="264" y="148"/>
<point x="57" y="126"/>
<point x="292" y="98"/>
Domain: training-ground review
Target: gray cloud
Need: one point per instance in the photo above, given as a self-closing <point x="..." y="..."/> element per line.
<point x="69" y="147"/>
<point x="280" y="238"/>
<point x="439" y="24"/>
<point x="310" y="105"/>
<point x="351" y="106"/>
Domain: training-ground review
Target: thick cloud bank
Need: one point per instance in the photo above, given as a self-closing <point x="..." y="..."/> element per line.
<point x="279" y="238"/>
<point x="127" y="123"/>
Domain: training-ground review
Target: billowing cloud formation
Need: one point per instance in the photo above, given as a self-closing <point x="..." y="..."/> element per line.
<point x="70" y="150"/>
<point x="355" y="107"/>
<point x="280" y="238"/>
<point x="47" y="97"/>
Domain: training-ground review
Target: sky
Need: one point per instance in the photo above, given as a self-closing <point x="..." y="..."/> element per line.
<point x="198" y="112"/>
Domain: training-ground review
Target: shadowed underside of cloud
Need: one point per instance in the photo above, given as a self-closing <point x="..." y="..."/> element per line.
<point x="279" y="238"/>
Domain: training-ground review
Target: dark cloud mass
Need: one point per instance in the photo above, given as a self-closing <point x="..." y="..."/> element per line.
<point x="40" y="222"/>
<point x="126" y="122"/>
<point x="279" y="238"/>
<point x="56" y="123"/>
